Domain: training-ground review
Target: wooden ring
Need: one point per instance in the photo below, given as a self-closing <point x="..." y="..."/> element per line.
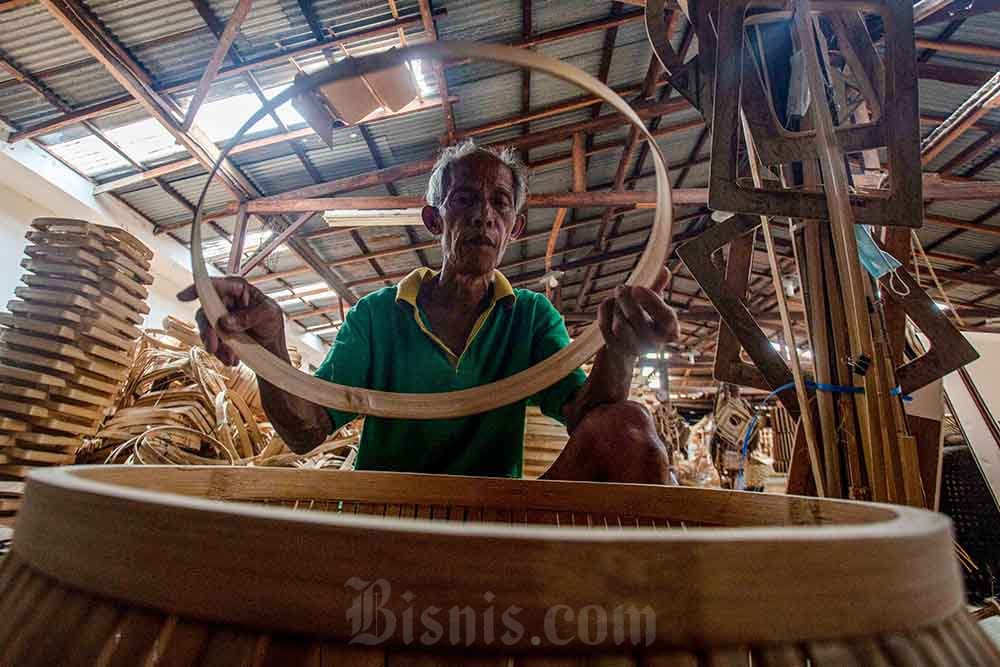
<point x="439" y="405"/>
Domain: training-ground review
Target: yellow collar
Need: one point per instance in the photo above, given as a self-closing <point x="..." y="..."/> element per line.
<point x="409" y="287"/>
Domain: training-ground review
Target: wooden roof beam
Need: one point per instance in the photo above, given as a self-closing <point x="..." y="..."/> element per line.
<point x="427" y="18"/>
<point x="979" y="104"/>
<point x="226" y="39"/>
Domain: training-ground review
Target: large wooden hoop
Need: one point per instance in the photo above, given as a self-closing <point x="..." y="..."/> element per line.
<point x="777" y="569"/>
<point x="443" y="404"/>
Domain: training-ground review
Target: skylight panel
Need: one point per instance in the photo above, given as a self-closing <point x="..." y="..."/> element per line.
<point x="89" y="155"/>
<point x="221" y="119"/>
<point x="146" y="140"/>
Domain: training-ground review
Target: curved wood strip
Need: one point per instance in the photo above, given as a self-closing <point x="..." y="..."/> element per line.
<point x="89" y="533"/>
<point x="88" y="642"/>
<point x="949" y="644"/>
<point x="903" y="651"/>
<point x="34" y="626"/>
<point x="728" y="657"/>
<point x="227" y="647"/>
<point x="870" y="653"/>
<point x="30" y="587"/>
<point x="780" y="655"/>
<point x="479" y="399"/>
<point x="982" y="647"/>
<point x="132" y="639"/>
<point x="669" y="659"/>
<point x="833" y="654"/>
<point x="928" y="644"/>
<point x="51" y="647"/>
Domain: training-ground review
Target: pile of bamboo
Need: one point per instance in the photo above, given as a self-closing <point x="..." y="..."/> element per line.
<point x="180" y="405"/>
<point x="66" y="342"/>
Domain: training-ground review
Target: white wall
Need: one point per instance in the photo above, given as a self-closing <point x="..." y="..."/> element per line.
<point x="34" y="185"/>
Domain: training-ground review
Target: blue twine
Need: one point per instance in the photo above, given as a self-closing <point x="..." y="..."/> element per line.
<point x="818" y="386"/>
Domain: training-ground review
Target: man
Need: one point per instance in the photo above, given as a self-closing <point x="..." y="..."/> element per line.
<point x="463" y="327"/>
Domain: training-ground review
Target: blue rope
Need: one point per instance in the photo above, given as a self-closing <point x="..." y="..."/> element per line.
<point x="818" y="386"/>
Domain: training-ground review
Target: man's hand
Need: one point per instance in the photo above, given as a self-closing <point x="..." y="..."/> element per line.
<point x="250" y="312"/>
<point x="637" y="320"/>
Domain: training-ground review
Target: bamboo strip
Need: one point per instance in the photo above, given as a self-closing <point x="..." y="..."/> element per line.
<point x="479" y="399"/>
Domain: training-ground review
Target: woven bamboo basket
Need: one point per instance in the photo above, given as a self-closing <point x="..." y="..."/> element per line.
<point x="219" y="565"/>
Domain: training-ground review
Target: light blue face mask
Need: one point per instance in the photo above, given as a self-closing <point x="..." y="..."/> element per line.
<point x="877" y="262"/>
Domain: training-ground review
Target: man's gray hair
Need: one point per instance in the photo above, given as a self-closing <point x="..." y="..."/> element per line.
<point x="436" y="186"/>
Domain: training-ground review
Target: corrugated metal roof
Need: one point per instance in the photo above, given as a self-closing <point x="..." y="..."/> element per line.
<point x="487" y="93"/>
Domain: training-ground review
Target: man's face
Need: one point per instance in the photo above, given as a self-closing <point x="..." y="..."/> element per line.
<point x="477" y="218"/>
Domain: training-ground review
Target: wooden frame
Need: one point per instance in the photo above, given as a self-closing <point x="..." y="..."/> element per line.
<point x="737" y="329"/>
<point x="82" y="530"/>
<point x="901" y="205"/>
<point x="445" y="404"/>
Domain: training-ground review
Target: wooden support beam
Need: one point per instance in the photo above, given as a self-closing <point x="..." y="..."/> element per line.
<point x="961" y="48"/>
<point x="953" y="189"/>
<point x="238" y="242"/>
<point x="574" y="104"/>
<point x="427" y="19"/>
<point x="226" y="39"/>
<point x="185" y="85"/>
<point x="252" y="144"/>
<point x="924" y="9"/>
<point x="273" y="244"/>
<point x="73" y="17"/>
<point x="963" y="76"/>
<point x="970" y="277"/>
<point x="984" y="143"/>
<point x="9" y="5"/>
<point x="644" y="199"/>
<point x="984" y="100"/>
<point x="579" y="29"/>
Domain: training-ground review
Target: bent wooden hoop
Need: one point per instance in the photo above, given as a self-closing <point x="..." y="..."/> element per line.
<point x="177" y="559"/>
<point x="443" y="404"/>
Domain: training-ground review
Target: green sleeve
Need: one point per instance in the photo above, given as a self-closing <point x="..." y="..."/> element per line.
<point x="348" y="361"/>
<point x="551" y="336"/>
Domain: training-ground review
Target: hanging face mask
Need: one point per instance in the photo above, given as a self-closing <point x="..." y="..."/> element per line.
<point x="877" y="262"/>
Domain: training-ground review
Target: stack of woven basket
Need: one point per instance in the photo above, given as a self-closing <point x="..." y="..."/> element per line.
<point x="66" y="342"/>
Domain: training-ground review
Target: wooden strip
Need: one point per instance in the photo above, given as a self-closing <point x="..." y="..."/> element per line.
<point x="134" y="635"/>
<point x="52" y="329"/>
<point x="669" y="659"/>
<point x="228" y="647"/>
<point x="51" y="647"/>
<point x="336" y="655"/>
<point x="781" y="655"/>
<point x="36" y="626"/>
<point x="36" y="456"/>
<point x="31" y="589"/>
<point x="903" y="651"/>
<point x="483" y="398"/>
<point x="728" y="657"/>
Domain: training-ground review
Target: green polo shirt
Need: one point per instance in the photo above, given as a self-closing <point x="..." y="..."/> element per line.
<point x="386" y="344"/>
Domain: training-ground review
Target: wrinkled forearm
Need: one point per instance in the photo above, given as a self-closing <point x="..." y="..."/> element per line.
<point x="608" y="382"/>
<point x="301" y="424"/>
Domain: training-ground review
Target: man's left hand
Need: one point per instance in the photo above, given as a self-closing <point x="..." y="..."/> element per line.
<point x="636" y="320"/>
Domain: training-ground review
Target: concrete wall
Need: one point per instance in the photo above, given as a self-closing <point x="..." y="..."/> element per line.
<point x="33" y="185"/>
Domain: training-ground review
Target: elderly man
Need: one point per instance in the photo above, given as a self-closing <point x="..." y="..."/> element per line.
<point x="465" y="326"/>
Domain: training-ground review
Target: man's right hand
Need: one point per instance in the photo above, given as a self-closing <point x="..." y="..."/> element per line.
<point x="251" y="312"/>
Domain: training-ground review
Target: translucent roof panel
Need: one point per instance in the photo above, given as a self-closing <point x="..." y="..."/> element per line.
<point x="145" y="140"/>
<point x="89" y="155"/>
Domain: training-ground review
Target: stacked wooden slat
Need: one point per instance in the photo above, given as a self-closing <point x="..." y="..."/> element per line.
<point x="544" y="440"/>
<point x="66" y="342"/>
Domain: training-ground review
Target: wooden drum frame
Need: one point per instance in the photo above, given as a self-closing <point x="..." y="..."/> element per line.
<point x="440" y="405"/>
<point x="214" y="565"/>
